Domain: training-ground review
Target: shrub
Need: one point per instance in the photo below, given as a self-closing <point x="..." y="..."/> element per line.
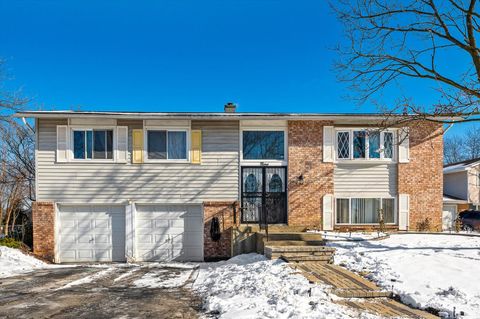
<point x="10" y="242"/>
<point x="424" y="225"/>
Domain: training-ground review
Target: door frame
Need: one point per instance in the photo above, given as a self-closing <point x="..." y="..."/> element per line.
<point x="263" y="196"/>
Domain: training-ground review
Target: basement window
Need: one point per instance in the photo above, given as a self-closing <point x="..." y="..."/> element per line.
<point x="365" y="210"/>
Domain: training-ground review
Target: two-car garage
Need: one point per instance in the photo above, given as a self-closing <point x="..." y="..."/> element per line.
<point x="161" y="232"/>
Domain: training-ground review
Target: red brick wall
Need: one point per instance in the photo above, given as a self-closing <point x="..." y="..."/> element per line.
<point x="43" y="218"/>
<point x="422" y="177"/>
<point x="224" y="211"/>
<point x="305" y="158"/>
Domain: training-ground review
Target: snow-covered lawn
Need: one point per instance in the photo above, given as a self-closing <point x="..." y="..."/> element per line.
<point x="250" y="286"/>
<point x="353" y="236"/>
<point x="14" y="262"/>
<point x="439" y="271"/>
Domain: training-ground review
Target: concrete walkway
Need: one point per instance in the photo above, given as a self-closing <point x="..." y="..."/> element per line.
<point x="362" y="294"/>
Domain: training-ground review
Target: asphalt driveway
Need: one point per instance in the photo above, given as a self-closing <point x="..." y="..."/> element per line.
<point x="107" y="291"/>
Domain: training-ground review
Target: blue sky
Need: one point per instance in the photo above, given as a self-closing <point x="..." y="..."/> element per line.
<point x="265" y="55"/>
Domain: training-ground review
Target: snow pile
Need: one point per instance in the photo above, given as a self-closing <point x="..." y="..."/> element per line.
<point x="437" y="271"/>
<point x="249" y="286"/>
<point x="14" y="262"/>
<point x="163" y="278"/>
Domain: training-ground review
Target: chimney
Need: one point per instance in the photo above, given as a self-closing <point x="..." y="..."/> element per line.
<point x="230" y="107"/>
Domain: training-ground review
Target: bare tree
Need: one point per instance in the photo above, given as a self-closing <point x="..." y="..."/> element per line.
<point x="472" y="143"/>
<point x="17" y="168"/>
<point x="388" y="42"/>
<point x="453" y="149"/>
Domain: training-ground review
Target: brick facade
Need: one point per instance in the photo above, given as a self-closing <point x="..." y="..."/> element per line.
<point x="422" y="176"/>
<point x="224" y="211"/>
<point x="43" y="218"/>
<point x="309" y="178"/>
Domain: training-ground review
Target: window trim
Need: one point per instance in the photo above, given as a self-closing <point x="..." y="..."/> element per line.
<point x="395" y="210"/>
<point x="187" y="131"/>
<point x="73" y="128"/>
<point x="273" y="162"/>
<point x="367" y="158"/>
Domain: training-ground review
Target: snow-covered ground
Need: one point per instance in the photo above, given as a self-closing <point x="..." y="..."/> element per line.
<point x="250" y="286"/>
<point x="439" y="271"/>
<point x="14" y="262"/>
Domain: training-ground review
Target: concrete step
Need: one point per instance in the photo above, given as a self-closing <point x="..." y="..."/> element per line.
<point x="293" y="236"/>
<point x="299" y="249"/>
<point x="273" y="252"/>
<point x="294" y="243"/>
<point x="301" y="259"/>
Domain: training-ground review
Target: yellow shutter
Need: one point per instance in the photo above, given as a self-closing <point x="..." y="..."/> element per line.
<point x="196" y="149"/>
<point x="137" y="146"/>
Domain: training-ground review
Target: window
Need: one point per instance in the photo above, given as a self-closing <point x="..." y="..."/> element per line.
<point x="365" y="210"/>
<point x="362" y="144"/>
<point x="343" y="142"/>
<point x="359" y="144"/>
<point x="92" y="144"/>
<point x="166" y="145"/>
<point x="263" y="145"/>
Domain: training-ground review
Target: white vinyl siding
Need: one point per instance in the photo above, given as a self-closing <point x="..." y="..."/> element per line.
<point x="375" y="179"/>
<point x="87" y="182"/>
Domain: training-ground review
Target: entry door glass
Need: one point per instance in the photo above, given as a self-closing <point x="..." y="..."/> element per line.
<point x="264" y="195"/>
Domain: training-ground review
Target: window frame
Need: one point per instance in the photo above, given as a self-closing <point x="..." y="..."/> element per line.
<point x="167" y="129"/>
<point x="74" y="128"/>
<point x="367" y="158"/>
<point x="381" y="198"/>
<point x="273" y="162"/>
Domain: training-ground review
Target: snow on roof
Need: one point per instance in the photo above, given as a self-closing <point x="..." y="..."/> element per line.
<point x="453" y="200"/>
<point x="460" y="166"/>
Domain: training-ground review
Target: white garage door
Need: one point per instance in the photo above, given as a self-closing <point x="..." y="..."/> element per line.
<point x="91" y="233"/>
<point x="169" y="232"/>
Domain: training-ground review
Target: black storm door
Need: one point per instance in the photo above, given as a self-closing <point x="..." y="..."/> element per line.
<point x="264" y="195"/>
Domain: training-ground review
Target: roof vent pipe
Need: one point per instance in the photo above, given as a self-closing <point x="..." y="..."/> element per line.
<point x="230" y="107"/>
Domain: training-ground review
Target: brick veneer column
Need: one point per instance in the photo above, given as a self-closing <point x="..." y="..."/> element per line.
<point x="422" y="177"/>
<point x="43" y="218"/>
<point x="305" y="158"/>
<point x="224" y="211"/>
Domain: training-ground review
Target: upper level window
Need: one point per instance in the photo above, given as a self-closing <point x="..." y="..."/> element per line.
<point x="92" y="144"/>
<point x="263" y="145"/>
<point x="166" y="145"/>
<point x="362" y="144"/>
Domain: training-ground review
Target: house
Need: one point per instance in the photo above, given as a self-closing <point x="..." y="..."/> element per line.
<point x="116" y="186"/>
<point x="461" y="189"/>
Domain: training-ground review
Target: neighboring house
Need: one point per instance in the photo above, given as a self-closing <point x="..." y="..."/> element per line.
<point x="113" y="186"/>
<point x="461" y="188"/>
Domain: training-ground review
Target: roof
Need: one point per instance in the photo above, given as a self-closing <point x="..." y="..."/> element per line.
<point x="460" y="166"/>
<point x="449" y="199"/>
<point x="353" y="117"/>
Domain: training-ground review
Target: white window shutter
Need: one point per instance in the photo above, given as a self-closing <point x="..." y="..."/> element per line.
<point x="328" y="143"/>
<point x="328" y="212"/>
<point x="62" y="143"/>
<point x="403" y="211"/>
<point x="122" y="144"/>
<point x="404" y="145"/>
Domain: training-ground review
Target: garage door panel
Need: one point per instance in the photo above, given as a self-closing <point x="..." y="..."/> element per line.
<point x="170" y="234"/>
<point x="91" y="233"/>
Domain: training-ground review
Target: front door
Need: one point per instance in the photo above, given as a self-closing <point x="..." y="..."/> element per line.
<point x="264" y="195"/>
